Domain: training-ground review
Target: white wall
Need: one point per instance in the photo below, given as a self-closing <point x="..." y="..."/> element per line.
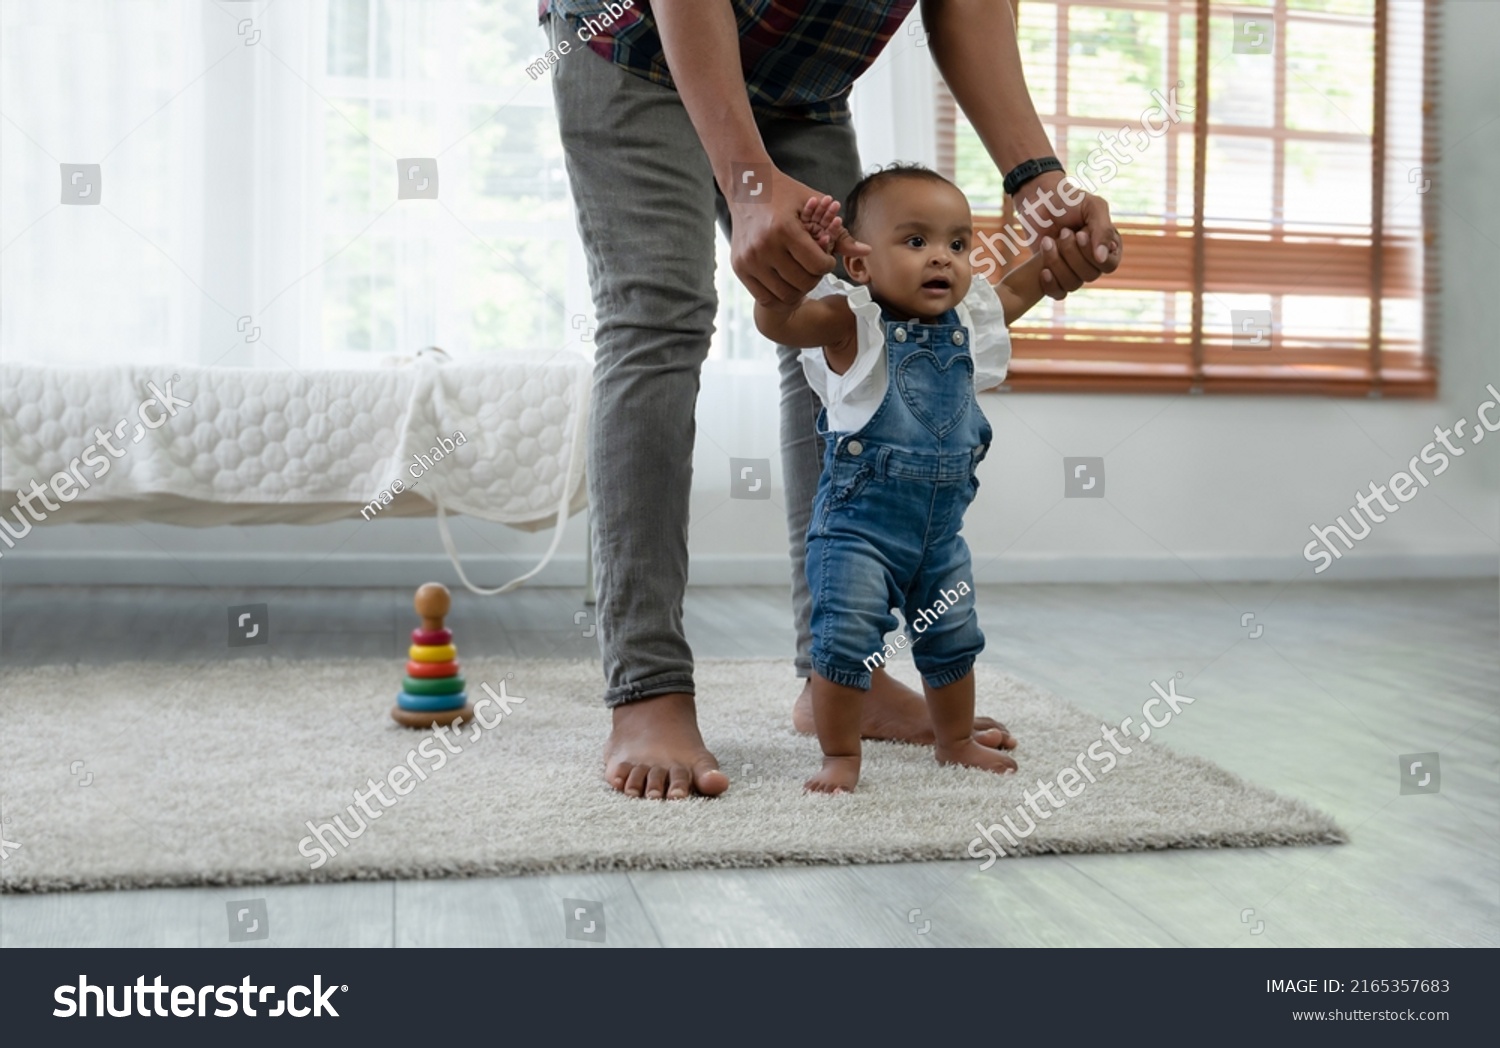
<point x="1210" y="487"/>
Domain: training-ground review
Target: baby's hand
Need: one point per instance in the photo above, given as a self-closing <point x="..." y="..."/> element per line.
<point x="820" y="217"/>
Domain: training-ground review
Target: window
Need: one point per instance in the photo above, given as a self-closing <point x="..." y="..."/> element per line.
<point x="1278" y="238"/>
<point x="499" y="267"/>
<point x="484" y="267"/>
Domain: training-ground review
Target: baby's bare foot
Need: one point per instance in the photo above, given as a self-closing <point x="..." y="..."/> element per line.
<point x="972" y="754"/>
<point x="838" y="775"/>
<point x="895" y="713"/>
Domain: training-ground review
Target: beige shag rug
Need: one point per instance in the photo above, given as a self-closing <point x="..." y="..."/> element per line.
<point x="136" y="775"/>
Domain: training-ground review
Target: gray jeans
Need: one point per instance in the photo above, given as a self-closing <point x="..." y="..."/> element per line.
<point x="647" y="204"/>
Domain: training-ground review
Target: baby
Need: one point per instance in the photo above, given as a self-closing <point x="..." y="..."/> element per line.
<point x="896" y="359"/>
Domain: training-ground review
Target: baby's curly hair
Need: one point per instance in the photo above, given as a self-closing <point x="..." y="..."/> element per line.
<point x="879" y="177"/>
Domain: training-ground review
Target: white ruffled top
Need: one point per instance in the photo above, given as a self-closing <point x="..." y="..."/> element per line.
<point x="853" y="397"/>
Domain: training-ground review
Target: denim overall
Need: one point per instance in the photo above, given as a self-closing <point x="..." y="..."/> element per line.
<point x="885" y="523"/>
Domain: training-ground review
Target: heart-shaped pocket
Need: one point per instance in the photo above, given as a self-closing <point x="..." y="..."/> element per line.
<point x="935" y="397"/>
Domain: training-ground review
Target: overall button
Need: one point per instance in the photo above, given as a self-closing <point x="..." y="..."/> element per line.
<point x="900" y="334"/>
<point x="958" y="338"/>
<point x="854" y="447"/>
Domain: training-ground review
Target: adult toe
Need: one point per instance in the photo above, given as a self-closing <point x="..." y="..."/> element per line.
<point x="679" y="782"/>
<point x="708" y="779"/>
<point x="617" y="775"/>
<point x="995" y="739"/>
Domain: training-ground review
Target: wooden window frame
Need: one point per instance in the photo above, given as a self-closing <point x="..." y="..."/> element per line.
<point x="1176" y="254"/>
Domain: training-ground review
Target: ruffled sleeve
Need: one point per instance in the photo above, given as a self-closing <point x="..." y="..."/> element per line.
<point x="870" y="342"/>
<point x="990" y="341"/>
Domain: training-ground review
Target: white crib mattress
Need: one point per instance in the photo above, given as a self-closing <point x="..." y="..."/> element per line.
<point x="279" y="446"/>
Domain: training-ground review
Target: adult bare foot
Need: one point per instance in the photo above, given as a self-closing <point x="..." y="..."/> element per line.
<point x="896" y="713"/>
<point x="971" y="754"/>
<point x="838" y="775"/>
<point x="655" y="751"/>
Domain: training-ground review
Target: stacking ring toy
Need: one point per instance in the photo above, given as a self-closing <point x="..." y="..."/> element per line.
<point x="432" y="692"/>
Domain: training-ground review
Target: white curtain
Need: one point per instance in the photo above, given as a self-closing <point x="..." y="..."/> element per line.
<point x="247" y="211"/>
<point x="89" y="83"/>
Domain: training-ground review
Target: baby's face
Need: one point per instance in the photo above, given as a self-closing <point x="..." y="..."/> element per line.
<point x="920" y="233"/>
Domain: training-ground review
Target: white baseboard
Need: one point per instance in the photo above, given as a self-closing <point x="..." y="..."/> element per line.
<point x="764" y="570"/>
<point x="345" y="570"/>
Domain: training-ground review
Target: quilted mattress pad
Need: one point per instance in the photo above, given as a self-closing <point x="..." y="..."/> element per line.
<point x="501" y="441"/>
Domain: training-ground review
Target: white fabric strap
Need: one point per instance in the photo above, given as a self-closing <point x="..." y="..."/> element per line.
<point x="580" y="426"/>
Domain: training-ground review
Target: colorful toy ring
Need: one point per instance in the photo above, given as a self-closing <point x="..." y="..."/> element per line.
<point x="432" y="653"/>
<point x="433" y="686"/>
<point x="432" y="669"/>
<point x="430" y="703"/>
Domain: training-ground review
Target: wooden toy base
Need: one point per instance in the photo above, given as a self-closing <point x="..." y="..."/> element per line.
<point x="424" y="719"/>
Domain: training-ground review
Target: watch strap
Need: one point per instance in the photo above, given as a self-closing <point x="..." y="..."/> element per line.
<point x="1027" y="170"/>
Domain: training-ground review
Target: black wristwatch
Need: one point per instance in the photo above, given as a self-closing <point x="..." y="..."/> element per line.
<point x="1028" y="170"/>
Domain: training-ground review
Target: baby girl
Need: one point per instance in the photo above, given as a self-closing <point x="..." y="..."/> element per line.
<point x="896" y="358"/>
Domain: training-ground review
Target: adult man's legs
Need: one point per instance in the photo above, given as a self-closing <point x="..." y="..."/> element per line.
<point x="644" y="194"/>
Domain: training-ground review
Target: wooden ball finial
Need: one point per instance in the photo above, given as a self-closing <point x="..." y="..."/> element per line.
<point x="432" y="603"/>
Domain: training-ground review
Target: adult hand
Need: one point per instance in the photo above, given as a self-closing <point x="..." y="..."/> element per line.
<point x="771" y="251"/>
<point x="1077" y="246"/>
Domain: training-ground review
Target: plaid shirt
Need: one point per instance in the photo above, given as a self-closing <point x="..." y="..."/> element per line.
<point x="799" y="57"/>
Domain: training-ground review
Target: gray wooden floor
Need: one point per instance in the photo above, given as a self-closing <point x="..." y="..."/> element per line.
<point x="1341" y="680"/>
